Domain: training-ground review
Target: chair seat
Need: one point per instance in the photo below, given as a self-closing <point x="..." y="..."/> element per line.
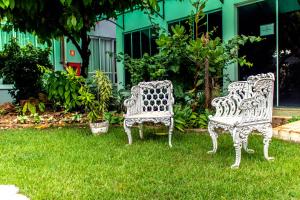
<point x="236" y="121"/>
<point x="226" y="120"/>
<point x="150" y="115"/>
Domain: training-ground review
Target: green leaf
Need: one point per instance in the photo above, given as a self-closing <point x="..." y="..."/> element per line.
<point x="87" y="2"/>
<point x="12" y="4"/>
<point x="175" y="68"/>
<point x="200" y="82"/>
<point x="68" y="2"/>
<point x="41" y="106"/>
<point x="61" y="91"/>
<point x="67" y="86"/>
<point x="24" y="110"/>
<point x="2" y="5"/>
<point x="6" y="3"/>
<point x="67" y="94"/>
<point x="73" y="20"/>
<point x="31" y="108"/>
<point x="211" y="69"/>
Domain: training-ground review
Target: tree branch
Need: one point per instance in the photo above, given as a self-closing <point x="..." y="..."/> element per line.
<point x="69" y="35"/>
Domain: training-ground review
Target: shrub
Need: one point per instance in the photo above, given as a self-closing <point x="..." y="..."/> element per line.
<point x="117" y="100"/>
<point x="294" y="119"/>
<point x="63" y="88"/>
<point x="184" y="117"/>
<point x="19" y="66"/>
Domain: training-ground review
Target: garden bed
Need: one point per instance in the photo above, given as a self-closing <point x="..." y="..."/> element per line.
<point x="45" y="120"/>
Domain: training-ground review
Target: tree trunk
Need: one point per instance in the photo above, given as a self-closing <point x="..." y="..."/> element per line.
<point x="195" y="88"/>
<point x="207" y="85"/>
<point x="85" y="53"/>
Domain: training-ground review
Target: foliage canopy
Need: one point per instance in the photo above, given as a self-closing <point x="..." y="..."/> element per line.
<point x="71" y="18"/>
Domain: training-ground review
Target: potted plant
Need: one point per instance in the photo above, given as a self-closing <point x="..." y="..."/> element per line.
<point x="98" y="105"/>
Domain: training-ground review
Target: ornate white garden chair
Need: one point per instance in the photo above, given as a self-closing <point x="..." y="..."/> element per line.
<point x="150" y="102"/>
<point x="247" y="107"/>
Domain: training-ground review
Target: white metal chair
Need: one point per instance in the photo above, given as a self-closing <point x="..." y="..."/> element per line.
<point x="150" y="102"/>
<point x="247" y="107"/>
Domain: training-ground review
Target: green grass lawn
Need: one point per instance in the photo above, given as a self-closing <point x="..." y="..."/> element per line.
<point x="69" y="163"/>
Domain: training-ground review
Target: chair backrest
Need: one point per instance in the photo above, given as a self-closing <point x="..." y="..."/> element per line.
<point x="238" y="91"/>
<point x="156" y="96"/>
<point x="261" y="88"/>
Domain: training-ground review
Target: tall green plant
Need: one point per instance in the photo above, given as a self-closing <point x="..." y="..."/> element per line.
<point x="98" y="106"/>
<point x="19" y="66"/>
<point x="104" y="90"/>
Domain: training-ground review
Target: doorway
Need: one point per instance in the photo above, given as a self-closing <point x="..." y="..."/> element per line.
<point x="289" y="53"/>
<point x="260" y="19"/>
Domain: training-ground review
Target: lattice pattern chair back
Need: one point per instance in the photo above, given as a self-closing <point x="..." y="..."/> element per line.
<point x="156" y="96"/>
<point x="150" y="102"/>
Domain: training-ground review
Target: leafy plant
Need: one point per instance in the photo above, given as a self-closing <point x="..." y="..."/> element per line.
<point x="76" y="117"/>
<point x="19" y="66"/>
<point x="97" y="106"/>
<point x="294" y="119"/>
<point x="113" y="117"/>
<point x="2" y="111"/>
<point x="64" y="87"/>
<point x="203" y="119"/>
<point x="36" y="118"/>
<point x="31" y="107"/>
<point x="145" y="68"/>
<point x="117" y="100"/>
<point x="184" y="117"/>
<point x="22" y="119"/>
<point x="181" y="117"/>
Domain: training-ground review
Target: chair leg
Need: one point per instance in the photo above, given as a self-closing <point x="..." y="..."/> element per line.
<point x="267" y="134"/>
<point x="141" y="131"/>
<point x="171" y="131"/>
<point x="214" y="136"/>
<point x="128" y="132"/>
<point x="238" y="148"/>
<point x="245" y="144"/>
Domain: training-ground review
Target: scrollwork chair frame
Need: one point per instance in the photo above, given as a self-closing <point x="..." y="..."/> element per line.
<point x="246" y="108"/>
<point x="150" y="102"/>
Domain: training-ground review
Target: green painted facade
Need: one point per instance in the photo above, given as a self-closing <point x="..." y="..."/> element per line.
<point x="171" y="10"/>
<point x="232" y="10"/>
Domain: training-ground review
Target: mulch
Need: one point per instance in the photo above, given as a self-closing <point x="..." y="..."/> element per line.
<point x="48" y="119"/>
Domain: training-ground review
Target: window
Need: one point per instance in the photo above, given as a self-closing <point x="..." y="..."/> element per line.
<point x="183" y="22"/>
<point x="214" y="23"/>
<point x="211" y="22"/>
<point x="137" y="43"/>
<point x="103" y="57"/>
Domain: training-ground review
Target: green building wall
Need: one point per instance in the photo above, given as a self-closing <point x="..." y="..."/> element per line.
<point x="173" y="10"/>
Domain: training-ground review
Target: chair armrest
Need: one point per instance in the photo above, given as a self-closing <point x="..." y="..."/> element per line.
<point x="225" y="106"/>
<point x="129" y="102"/>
